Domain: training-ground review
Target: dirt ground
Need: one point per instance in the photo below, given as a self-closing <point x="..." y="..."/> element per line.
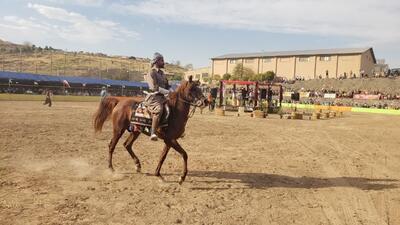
<point x="242" y="170"/>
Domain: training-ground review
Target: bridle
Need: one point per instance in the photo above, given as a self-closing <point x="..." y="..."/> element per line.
<point x="191" y="113"/>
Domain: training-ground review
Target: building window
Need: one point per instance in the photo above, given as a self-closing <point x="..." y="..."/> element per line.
<point x="204" y="75"/>
<point x="197" y="76"/>
<point x="304" y="59"/>
<point x="267" y="60"/>
<point x="232" y="61"/>
<point x="325" y="58"/>
<point x="249" y="60"/>
<point x="284" y="59"/>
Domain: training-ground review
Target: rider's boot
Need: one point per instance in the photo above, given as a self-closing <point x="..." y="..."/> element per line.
<point x="154" y="125"/>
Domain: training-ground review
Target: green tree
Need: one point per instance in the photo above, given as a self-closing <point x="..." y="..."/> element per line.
<point x="176" y="77"/>
<point x="242" y="73"/>
<point x="216" y="77"/>
<point x="226" y="76"/>
<point x="269" y="76"/>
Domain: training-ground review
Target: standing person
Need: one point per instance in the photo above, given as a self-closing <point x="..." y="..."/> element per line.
<point x="251" y="97"/>
<point x="210" y="100"/>
<point x="103" y="92"/>
<point x="244" y="96"/>
<point x="49" y="95"/>
<point x="158" y="88"/>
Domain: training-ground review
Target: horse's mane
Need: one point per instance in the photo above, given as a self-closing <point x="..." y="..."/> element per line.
<point x="173" y="96"/>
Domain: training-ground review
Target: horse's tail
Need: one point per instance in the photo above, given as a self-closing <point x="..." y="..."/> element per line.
<point x="104" y="111"/>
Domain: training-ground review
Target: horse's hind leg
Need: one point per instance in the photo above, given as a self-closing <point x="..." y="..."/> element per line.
<point x="116" y="136"/>
<point x="128" y="145"/>
<point x="183" y="153"/>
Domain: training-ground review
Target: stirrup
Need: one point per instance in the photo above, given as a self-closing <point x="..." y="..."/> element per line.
<point x="153" y="137"/>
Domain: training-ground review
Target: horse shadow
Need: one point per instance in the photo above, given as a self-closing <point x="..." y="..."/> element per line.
<point x="265" y="181"/>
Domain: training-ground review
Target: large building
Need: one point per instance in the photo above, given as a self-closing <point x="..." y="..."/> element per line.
<point x="309" y="64"/>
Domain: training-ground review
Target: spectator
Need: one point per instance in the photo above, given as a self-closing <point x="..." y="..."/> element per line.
<point x="49" y="95"/>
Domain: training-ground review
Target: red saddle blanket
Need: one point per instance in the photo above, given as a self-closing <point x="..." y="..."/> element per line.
<point x="141" y="118"/>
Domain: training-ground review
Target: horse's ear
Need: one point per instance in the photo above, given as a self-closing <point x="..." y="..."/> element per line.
<point x="190" y="78"/>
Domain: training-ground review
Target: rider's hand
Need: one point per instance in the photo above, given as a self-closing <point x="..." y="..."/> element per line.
<point x="163" y="91"/>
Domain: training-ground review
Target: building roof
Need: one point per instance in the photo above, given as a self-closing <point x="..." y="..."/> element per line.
<point x="335" y="51"/>
<point x="71" y="80"/>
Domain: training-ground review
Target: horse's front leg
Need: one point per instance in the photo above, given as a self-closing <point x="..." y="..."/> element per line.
<point x="162" y="158"/>
<point x="183" y="153"/>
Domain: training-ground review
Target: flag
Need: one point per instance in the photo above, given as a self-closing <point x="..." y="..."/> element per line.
<point x="66" y="84"/>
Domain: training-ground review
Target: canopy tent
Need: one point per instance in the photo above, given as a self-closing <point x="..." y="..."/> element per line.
<point x="71" y="80"/>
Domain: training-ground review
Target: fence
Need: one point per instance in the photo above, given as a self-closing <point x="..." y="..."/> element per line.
<point x="73" y="90"/>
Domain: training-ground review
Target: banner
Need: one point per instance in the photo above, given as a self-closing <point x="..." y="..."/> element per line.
<point x="287" y="94"/>
<point x="66" y="84"/>
<point x="330" y="95"/>
<point x="366" y="97"/>
<point x="304" y="94"/>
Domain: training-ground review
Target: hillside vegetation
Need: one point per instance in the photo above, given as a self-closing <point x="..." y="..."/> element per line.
<point x="47" y="60"/>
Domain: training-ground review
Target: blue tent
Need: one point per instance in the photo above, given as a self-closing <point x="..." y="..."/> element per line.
<point x="71" y="80"/>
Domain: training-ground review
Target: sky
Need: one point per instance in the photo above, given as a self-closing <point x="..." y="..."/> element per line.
<point x="193" y="31"/>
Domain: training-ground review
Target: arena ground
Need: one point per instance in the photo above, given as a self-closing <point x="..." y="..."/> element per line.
<point x="242" y="170"/>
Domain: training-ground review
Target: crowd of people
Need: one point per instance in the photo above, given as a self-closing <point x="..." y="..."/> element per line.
<point x="380" y="100"/>
<point x="363" y="75"/>
<point x="378" y="104"/>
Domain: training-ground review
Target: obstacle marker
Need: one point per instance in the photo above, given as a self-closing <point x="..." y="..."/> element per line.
<point x="316" y="116"/>
<point x="219" y="112"/>
<point x="296" y="115"/>
<point x="259" y="114"/>
<point x="240" y="111"/>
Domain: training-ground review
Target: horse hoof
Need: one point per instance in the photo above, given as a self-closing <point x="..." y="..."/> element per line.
<point x="181" y="179"/>
<point x="161" y="179"/>
<point x="138" y="169"/>
<point x="111" y="169"/>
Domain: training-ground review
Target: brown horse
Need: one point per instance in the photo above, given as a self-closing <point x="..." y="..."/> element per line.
<point x="120" y="108"/>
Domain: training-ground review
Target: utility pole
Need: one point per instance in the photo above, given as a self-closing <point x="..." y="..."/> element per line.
<point x="100" y="69"/>
<point x="51" y="62"/>
<point x="120" y="71"/>
<point x="2" y="62"/>
<point x="129" y="69"/>
<point x="35" y="61"/>
<point x="20" y="60"/>
<point x="65" y="62"/>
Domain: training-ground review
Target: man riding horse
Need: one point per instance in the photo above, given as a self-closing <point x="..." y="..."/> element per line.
<point x="159" y="88"/>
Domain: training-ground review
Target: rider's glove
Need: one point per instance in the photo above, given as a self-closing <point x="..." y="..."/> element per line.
<point x="163" y="91"/>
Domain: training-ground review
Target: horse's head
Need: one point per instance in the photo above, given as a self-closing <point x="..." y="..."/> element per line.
<point x="191" y="92"/>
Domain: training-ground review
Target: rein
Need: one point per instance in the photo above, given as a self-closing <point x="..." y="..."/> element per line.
<point x="191" y="113"/>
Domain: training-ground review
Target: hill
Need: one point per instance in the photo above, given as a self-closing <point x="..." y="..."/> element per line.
<point x="48" y="60"/>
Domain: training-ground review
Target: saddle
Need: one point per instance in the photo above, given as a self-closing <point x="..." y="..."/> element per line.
<point x="141" y="119"/>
